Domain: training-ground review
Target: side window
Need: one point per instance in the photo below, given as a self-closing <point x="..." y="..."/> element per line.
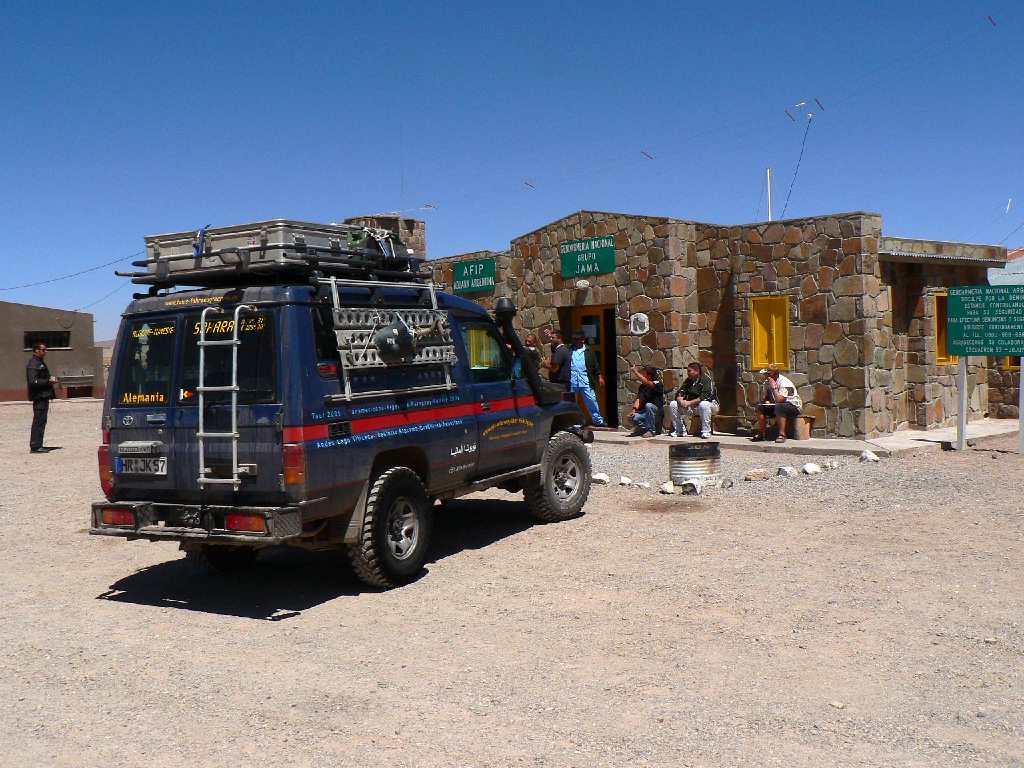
<point x="942" y="356"/>
<point x="323" y="335"/>
<point x="485" y="352"/>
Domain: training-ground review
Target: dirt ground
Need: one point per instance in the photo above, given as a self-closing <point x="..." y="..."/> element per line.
<point x="870" y="616"/>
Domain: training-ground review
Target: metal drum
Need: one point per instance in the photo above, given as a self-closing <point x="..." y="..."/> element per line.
<point x="694" y="461"/>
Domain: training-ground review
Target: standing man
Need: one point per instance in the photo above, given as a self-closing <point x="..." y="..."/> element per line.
<point x="585" y="376"/>
<point x="558" y="365"/>
<point x="779" y="398"/>
<point x="695" y="395"/>
<point x="40" y="392"/>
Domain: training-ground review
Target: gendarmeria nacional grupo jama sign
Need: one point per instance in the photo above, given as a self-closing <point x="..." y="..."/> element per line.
<point x="591" y="256"/>
<point x="985" y="320"/>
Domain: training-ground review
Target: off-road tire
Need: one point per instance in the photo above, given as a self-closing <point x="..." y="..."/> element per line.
<point x="372" y="557"/>
<point x="224" y="560"/>
<point x="546" y="493"/>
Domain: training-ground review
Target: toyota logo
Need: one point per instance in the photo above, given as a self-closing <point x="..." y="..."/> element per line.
<point x="128" y="420"/>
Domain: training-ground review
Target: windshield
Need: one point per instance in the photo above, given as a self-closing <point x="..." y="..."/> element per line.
<point x="257" y="359"/>
<point x="146" y="363"/>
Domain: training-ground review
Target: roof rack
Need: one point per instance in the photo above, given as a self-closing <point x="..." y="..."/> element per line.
<point x="275" y="251"/>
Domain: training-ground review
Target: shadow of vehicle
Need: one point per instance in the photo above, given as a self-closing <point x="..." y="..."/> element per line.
<point x="286" y="581"/>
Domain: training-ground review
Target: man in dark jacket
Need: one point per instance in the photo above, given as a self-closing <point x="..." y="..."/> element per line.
<point x="696" y="395"/>
<point x="40" y="392"/>
<point x="650" y="400"/>
<point x="558" y="365"/>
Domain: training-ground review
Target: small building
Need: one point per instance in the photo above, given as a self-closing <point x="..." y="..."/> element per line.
<point x="855" y="318"/>
<point x="72" y="356"/>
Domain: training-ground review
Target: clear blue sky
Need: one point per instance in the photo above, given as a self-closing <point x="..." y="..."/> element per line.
<point x="123" y="119"/>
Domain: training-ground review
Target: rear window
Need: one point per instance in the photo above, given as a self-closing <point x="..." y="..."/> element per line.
<point x="147" y="360"/>
<point x="257" y="359"/>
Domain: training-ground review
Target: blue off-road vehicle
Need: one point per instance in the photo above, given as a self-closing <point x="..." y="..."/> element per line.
<point x="313" y="389"/>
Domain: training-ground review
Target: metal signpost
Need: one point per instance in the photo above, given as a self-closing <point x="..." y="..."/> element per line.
<point x="985" y="320"/>
<point x="473" y="276"/>
<point x="592" y="256"/>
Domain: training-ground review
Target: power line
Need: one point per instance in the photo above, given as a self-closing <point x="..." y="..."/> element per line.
<point x="803" y="144"/>
<point x="1016" y="229"/>
<point x="73" y="274"/>
<point x="104" y="297"/>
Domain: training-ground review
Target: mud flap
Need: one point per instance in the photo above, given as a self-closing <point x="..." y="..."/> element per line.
<point x="355" y="523"/>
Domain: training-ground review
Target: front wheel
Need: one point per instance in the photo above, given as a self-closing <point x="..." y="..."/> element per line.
<point x="393" y="542"/>
<point x="563" y="485"/>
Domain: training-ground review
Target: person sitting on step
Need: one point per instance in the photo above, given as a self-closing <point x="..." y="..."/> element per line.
<point x="780" y="399"/>
<point x="696" y="395"/>
<point x="650" y="400"/>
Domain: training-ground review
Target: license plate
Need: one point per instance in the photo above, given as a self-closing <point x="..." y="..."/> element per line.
<point x="140" y="466"/>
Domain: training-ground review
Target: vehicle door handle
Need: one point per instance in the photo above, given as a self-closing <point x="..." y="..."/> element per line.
<point x="484" y="405"/>
<point x="156" y="418"/>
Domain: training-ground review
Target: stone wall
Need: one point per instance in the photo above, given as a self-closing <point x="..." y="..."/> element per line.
<point x="412" y="232"/>
<point x="1003" y="392"/>
<point x="861" y="329"/>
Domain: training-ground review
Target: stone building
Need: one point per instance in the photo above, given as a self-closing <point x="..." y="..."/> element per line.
<point x="855" y="318"/>
<point x="72" y="357"/>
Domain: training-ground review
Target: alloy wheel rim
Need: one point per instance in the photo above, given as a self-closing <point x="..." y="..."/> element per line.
<point x="566" y="476"/>
<point x="403" y="529"/>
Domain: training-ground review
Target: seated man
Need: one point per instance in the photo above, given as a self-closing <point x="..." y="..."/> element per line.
<point x="779" y="398"/>
<point x="649" y="402"/>
<point x="695" y="395"/>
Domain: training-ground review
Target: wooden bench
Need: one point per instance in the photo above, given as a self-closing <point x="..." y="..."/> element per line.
<point x="799" y="428"/>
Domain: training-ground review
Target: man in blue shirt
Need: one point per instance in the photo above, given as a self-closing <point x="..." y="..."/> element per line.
<point x="585" y="376"/>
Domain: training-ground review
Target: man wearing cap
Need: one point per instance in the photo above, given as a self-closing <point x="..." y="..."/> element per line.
<point x="585" y="376"/>
<point x="779" y="398"/>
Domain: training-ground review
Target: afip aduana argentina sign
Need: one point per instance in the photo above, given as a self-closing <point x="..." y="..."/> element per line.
<point x="590" y="256"/>
<point x="985" y="320"/>
<point x="474" y="276"/>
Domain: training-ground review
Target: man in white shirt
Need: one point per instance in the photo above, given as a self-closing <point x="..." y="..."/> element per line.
<point x="779" y="398"/>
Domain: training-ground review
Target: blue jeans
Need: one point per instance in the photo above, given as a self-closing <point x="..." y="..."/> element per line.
<point x="590" y="400"/>
<point x="647" y="418"/>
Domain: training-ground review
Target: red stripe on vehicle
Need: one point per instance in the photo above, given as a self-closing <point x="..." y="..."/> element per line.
<point x="403" y="418"/>
<point x="308" y="432"/>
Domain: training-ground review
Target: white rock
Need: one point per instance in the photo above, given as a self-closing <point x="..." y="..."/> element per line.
<point x="810" y="468"/>
<point x="645" y="485"/>
<point x="667" y="487"/>
<point x="837" y="704"/>
<point x="600" y="478"/>
<point x="830" y="464"/>
<point x="758" y="474"/>
<point x="625" y="481"/>
<point x="787" y="472"/>
<point x="866" y="456"/>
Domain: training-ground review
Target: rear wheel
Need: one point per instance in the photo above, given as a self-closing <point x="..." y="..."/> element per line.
<point x="396" y="530"/>
<point x="563" y="485"/>
<point x="223" y="560"/>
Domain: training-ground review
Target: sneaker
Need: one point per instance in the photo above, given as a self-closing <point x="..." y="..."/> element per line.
<point x="647" y="434"/>
<point x="705" y="435"/>
<point x="636" y="433"/>
<point x="673" y="434"/>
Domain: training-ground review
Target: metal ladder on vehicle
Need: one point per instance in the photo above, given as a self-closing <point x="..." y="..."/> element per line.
<point x="202" y="435"/>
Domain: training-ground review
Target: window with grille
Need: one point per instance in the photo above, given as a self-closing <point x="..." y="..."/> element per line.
<point x="769" y="321"/>
<point x="52" y="339"/>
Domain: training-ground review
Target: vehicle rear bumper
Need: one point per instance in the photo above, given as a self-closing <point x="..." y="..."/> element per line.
<point x="191" y="522"/>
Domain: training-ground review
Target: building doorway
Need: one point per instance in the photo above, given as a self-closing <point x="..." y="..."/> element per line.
<point x="598" y="325"/>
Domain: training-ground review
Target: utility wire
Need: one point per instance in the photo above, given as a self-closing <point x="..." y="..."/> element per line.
<point x="1017" y="229"/>
<point x="73" y="274"/>
<point x="104" y="297"/>
<point x="803" y="144"/>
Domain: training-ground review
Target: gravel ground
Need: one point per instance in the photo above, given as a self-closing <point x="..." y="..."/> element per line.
<point x="869" y="616"/>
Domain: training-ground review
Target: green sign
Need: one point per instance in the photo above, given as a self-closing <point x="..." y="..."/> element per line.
<point x="592" y="256"/>
<point x="473" y="276"/>
<point x="985" y="320"/>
